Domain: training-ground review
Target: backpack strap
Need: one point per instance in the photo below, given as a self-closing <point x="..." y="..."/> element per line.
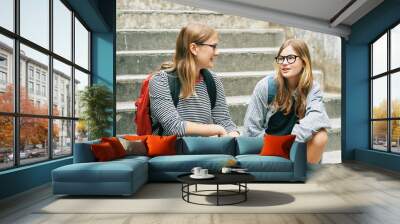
<point x="211" y="87"/>
<point x="272" y="87"/>
<point x="174" y="88"/>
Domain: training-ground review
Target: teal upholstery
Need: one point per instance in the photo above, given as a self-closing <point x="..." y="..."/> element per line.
<point x="119" y="177"/>
<point x="249" y="145"/>
<point x="259" y="163"/>
<point x="125" y="176"/>
<point x="208" y="145"/>
<point x="184" y="163"/>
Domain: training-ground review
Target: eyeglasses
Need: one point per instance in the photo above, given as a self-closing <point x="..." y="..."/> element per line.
<point x="213" y="46"/>
<point x="291" y="58"/>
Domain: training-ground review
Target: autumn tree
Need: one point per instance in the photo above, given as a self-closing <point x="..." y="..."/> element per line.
<point x="33" y="130"/>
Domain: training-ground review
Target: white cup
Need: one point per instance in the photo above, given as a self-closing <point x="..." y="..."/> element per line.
<point x="203" y="172"/>
<point x="226" y="170"/>
<point x="196" y="171"/>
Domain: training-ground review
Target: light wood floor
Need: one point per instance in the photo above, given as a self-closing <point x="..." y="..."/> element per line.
<point x="378" y="188"/>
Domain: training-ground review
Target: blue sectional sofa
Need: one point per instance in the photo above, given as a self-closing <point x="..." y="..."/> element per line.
<point x="125" y="176"/>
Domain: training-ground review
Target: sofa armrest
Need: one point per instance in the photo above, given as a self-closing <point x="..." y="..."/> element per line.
<point x="83" y="152"/>
<point x="298" y="155"/>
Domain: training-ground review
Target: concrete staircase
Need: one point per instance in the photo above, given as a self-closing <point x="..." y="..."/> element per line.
<point x="246" y="47"/>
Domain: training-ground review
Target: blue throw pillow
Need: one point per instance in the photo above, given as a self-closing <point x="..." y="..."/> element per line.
<point x="208" y="145"/>
<point x="249" y="145"/>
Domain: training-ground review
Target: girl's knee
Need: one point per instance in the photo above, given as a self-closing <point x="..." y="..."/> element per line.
<point x="320" y="138"/>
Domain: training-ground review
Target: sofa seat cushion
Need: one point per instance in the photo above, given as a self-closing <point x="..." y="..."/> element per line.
<point x="257" y="163"/>
<point x="112" y="171"/>
<point x="185" y="163"/>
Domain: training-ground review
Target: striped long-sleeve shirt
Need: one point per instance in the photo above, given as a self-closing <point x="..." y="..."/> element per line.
<point x="196" y="108"/>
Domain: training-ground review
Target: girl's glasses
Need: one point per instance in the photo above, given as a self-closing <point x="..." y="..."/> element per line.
<point x="291" y="58"/>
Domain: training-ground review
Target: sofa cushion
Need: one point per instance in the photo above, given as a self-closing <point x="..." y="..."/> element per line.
<point x="257" y="163"/>
<point x="83" y="152"/>
<point x="277" y="145"/>
<point x="112" y="171"/>
<point x="248" y="145"/>
<point x="161" y="145"/>
<point x="185" y="163"/>
<point x="134" y="147"/>
<point x="208" y="145"/>
<point x="116" y="145"/>
<point x="103" y="152"/>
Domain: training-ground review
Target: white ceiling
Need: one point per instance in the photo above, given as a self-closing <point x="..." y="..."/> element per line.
<point x="325" y="16"/>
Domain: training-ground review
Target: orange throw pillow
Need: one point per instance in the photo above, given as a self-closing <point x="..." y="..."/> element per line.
<point x="103" y="152"/>
<point x="161" y="145"/>
<point x="116" y="145"/>
<point x="277" y="145"/>
<point x="136" y="137"/>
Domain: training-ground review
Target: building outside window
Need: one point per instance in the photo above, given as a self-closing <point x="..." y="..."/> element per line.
<point x="385" y="94"/>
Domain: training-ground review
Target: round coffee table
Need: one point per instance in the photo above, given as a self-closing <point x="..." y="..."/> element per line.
<point x="238" y="179"/>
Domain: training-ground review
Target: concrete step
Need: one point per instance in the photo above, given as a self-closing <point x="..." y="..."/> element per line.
<point x="151" y="4"/>
<point x="176" y="19"/>
<point x="165" y="39"/>
<point x="229" y="59"/>
<point x="237" y="108"/>
<point x="235" y="83"/>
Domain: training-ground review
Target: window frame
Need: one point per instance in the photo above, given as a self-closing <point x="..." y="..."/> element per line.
<point x="15" y="72"/>
<point x="388" y="74"/>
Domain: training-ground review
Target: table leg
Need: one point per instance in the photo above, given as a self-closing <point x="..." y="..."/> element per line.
<point x="217" y="194"/>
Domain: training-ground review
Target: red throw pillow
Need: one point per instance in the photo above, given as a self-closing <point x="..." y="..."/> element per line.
<point x="161" y="145"/>
<point x="277" y="145"/>
<point x="103" y="151"/>
<point x="116" y="145"/>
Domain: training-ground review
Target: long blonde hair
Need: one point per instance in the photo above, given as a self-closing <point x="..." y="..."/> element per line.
<point x="184" y="61"/>
<point x="283" y="98"/>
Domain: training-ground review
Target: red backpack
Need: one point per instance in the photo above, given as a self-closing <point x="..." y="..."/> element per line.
<point x="143" y="118"/>
<point x="143" y="122"/>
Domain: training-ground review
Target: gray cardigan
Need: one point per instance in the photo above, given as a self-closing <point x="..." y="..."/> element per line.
<point x="259" y="112"/>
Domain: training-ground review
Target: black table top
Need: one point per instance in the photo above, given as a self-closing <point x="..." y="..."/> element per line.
<point x="220" y="178"/>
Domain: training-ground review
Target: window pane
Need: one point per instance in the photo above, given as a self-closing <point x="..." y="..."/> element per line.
<point x="81" y="131"/>
<point x="35" y="21"/>
<point x="62" y="133"/>
<point x="7" y="14"/>
<point x="6" y="74"/>
<point x="379" y="135"/>
<point x="379" y="55"/>
<point x="32" y="61"/>
<point x="81" y="45"/>
<point x="33" y="139"/>
<point x="81" y="81"/>
<point x="62" y="29"/>
<point x="379" y="98"/>
<point x="395" y="47"/>
<point x="62" y="89"/>
<point x="395" y="138"/>
<point x="6" y="142"/>
<point x="395" y="94"/>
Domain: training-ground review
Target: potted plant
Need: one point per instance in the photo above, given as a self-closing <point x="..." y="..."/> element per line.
<point x="96" y="102"/>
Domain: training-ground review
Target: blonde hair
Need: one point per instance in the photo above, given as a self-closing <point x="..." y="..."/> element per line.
<point x="283" y="98"/>
<point x="184" y="61"/>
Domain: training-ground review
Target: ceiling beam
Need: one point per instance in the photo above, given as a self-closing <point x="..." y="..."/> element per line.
<point x="346" y="12"/>
<point x="269" y="15"/>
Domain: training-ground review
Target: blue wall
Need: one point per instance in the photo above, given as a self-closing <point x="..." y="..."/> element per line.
<point x="355" y="68"/>
<point x="99" y="16"/>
